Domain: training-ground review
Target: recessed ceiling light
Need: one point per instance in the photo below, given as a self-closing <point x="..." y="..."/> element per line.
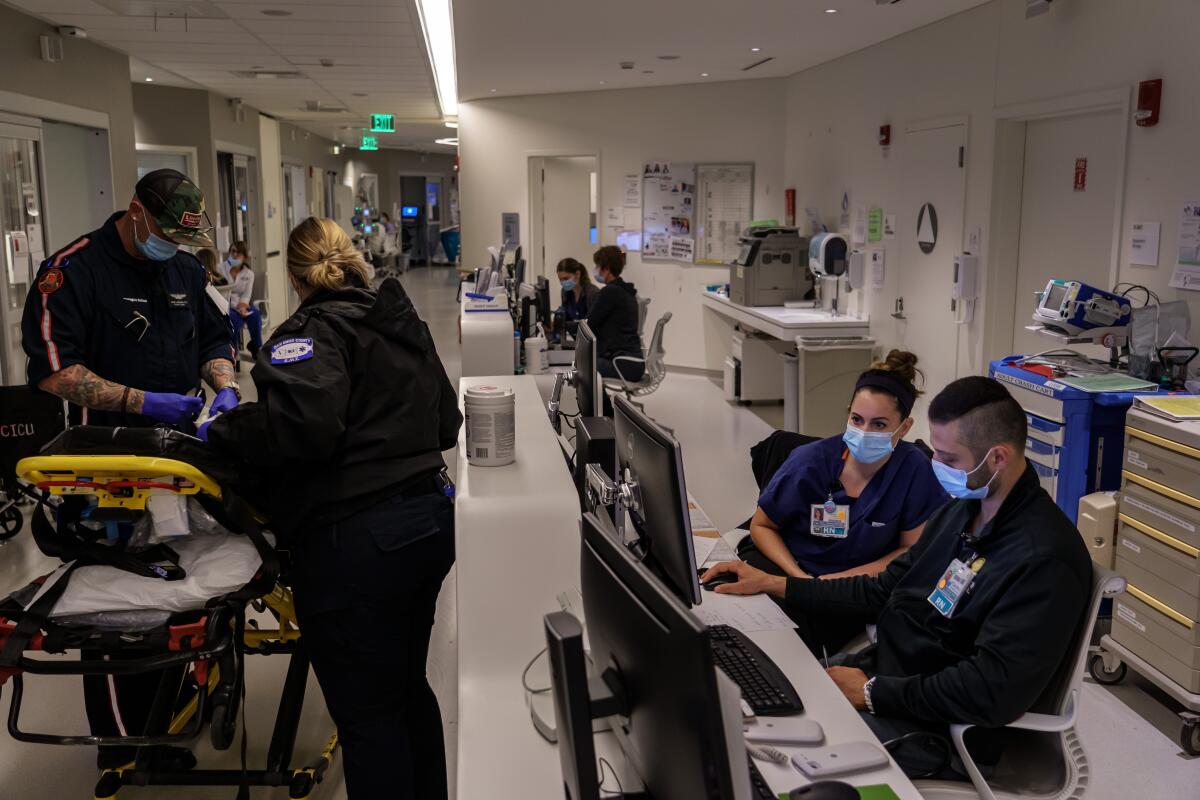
<point x="831" y="11"/>
<point x="493" y="91"/>
<point x="149" y="80"/>
<point x="453" y="125"/>
<point x="703" y="74"/>
<point x="276" y="12"/>
<point x="755" y="49"/>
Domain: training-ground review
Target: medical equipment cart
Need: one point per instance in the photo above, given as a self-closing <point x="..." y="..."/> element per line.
<point x="1156" y="627"/>
<point x="1075" y="437"/>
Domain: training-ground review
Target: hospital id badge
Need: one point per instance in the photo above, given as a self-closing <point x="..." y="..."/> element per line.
<point x="951" y="588"/>
<point x="829" y="521"/>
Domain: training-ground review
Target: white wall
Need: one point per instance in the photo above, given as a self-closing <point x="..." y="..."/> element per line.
<point x="740" y="121"/>
<point x="991" y="58"/>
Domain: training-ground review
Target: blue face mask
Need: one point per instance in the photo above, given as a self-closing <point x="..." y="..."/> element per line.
<point x="954" y="481"/>
<point x="868" y="447"/>
<point x="154" y="248"/>
<point x="235" y="262"/>
<point x="568" y="285"/>
<point x="599" y="278"/>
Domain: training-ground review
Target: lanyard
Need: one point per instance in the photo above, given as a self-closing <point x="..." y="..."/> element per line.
<point x="831" y="506"/>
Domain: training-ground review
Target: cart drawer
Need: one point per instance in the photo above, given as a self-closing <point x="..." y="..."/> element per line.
<point x="1166" y="632"/>
<point x="1174" y="469"/>
<point x="1142" y="547"/>
<point x="1157" y="657"/>
<point x="1162" y="590"/>
<point x="1177" y="520"/>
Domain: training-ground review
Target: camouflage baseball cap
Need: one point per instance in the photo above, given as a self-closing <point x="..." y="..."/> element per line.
<point x="177" y="205"/>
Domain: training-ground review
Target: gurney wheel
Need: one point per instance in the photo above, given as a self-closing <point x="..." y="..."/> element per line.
<point x="11" y="522"/>
<point x="301" y="787"/>
<point x="223" y="727"/>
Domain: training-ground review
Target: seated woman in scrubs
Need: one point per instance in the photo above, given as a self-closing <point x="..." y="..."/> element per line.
<point x="849" y="504"/>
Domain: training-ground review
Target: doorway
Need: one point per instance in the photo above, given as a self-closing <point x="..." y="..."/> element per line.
<point x="295" y="197"/>
<point x="237" y="185"/>
<point x="78" y="181"/>
<point x="1066" y="224"/>
<point x="563" y="203"/>
<point x="930" y="226"/>
<point x="21" y="224"/>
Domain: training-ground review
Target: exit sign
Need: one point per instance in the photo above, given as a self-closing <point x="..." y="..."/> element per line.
<point x="383" y="123"/>
<point x="370" y="143"/>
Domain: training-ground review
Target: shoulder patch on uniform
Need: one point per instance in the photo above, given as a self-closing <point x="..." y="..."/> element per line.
<point x="290" y="351"/>
<point x="51" y="281"/>
<point x="60" y="258"/>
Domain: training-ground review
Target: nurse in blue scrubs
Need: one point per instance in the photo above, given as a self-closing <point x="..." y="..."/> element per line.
<point x="849" y="504"/>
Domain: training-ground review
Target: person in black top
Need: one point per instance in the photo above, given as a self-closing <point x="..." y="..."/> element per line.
<point x="614" y="319"/>
<point x="354" y="411"/>
<point x="975" y="620"/>
<point x="119" y="324"/>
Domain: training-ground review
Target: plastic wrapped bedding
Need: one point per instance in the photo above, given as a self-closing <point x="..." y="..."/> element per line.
<point x="216" y="564"/>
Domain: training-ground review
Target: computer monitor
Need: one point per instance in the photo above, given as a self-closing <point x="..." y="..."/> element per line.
<point x="649" y="457"/>
<point x="543" y="301"/>
<point x="519" y="272"/>
<point x="588" y="388"/>
<point x="655" y="678"/>
<point x="409" y="212"/>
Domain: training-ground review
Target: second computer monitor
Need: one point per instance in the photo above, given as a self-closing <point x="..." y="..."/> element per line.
<point x="650" y="457"/>
<point x="588" y="389"/>
<point x="543" y="301"/>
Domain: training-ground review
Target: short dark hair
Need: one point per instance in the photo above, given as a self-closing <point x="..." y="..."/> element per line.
<point x="610" y="257"/>
<point x="988" y="413"/>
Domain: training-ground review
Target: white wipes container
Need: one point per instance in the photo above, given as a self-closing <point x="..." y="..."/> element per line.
<point x="536" y="359"/>
<point x="491" y="420"/>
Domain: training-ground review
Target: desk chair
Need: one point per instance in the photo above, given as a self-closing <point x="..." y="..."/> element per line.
<point x="656" y="368"/>
<point x="643" y="312"/>
<point x="1039" y="767"/>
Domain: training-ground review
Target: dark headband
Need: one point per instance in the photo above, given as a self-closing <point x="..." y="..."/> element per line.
<point x="904" y="395"/>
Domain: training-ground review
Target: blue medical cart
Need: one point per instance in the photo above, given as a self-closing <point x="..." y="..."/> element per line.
<point x="1076" y="438"/>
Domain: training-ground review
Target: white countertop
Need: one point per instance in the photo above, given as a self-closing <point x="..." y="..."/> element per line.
<point x="517" y="530"/>
<point x="787" y="323"/>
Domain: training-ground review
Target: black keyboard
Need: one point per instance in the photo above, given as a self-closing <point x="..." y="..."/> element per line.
<point x="764" y="687"/>
<point x="759" y="790"/>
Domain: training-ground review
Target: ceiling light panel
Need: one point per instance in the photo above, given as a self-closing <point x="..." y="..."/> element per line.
<point x="438" y="28"/>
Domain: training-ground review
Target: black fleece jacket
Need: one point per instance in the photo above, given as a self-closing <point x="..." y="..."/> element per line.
<point x="353" y="401"/>
<point x="996" y="656"/>
<point x="614" y="320"/>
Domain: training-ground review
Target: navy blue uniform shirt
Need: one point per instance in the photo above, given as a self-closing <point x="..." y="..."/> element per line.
<point x="900" y="497"/>
<point x="144" y="324"/>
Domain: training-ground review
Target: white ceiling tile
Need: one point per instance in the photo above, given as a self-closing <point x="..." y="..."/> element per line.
<point x="47" y="7"/>
<point x="339" y="27"/>
<point x="366" y="14"/>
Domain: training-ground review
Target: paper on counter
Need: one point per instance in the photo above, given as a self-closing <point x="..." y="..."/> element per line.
<point x="746" y="613"/>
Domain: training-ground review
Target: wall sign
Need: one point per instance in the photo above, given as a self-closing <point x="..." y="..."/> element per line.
<point x="668" y="210"/>
<point x="1081" y="174"/>
<point x="510" y="227"/>
<point x="383" y="123"/>
<point x="927" y="228"/>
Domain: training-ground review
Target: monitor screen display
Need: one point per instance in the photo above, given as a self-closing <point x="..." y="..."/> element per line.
<point x="409" y="212"/>
<point x="1054" y="297"/>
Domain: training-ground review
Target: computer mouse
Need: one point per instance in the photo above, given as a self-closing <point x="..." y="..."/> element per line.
<point x="825" y="790"/>
<point x="720" y="580"/>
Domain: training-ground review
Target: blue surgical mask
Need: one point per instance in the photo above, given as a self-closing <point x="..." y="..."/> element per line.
<point x="568" y="285"/>
<point x="155" y="247"/>
<point x="235" y="262"/>
<point x="598" y="277"/>
<point x="868" y="447"/>
<point x="954" y="481"/>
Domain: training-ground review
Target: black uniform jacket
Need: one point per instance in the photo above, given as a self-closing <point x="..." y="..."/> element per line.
<point x="995" y="657"/>
<point x="353" y="401"/>
<point x="613" y="318"/>
<point x="145" y="324"/>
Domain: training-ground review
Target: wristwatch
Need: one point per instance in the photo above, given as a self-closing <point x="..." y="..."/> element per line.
<point x="867" y="695"/>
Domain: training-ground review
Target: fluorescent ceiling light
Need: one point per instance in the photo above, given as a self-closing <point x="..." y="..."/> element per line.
<point x="452" y="141"/>
<point x="703" y="74"/>
<point x="438" y="26"/>
<point x="831" y="11"/>
<point x="149" y="80"/>
<point x="451" y="124"/>
<point x="755" y="49"/>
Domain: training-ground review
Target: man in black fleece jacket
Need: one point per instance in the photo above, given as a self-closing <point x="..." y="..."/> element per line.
<point x="974" y="620"/>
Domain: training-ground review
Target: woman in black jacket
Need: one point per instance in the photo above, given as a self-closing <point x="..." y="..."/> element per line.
<point x="614" y="319"/>
<point x="354" y="412"/>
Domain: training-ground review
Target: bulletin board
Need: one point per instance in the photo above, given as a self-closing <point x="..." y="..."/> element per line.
<point x="724" y="209"/>
<point x="669" y="211"/>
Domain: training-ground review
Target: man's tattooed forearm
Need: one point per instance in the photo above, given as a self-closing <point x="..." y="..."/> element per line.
<point x="79" y="385"/>
<point x="218" y="373"/>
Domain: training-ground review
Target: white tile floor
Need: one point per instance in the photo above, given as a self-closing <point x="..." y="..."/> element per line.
<point x="1129" y="736"/>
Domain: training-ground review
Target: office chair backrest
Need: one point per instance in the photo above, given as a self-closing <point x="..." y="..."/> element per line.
<point x="643" y="310"/>
<point x="1062" y="694"/>
<point x="656" y="368"/>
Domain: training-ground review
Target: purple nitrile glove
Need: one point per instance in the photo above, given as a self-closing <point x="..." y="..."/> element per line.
<point x="226" y="400"/>
<point x="173" y="409"/>
<point x="202" y="431"/>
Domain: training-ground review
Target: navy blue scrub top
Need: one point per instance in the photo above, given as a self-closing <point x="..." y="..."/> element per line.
<point x="574" y="310"/>
<point x="900" y="497"/>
